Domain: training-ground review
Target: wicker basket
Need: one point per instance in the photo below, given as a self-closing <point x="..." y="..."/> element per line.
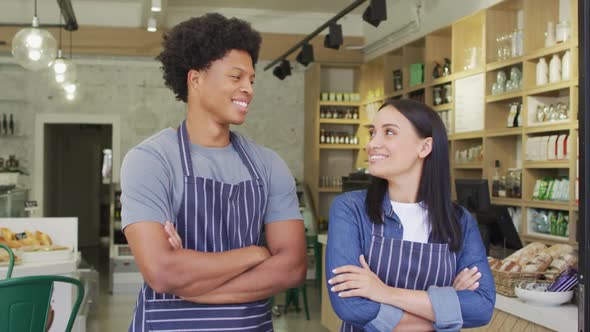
<point x="505" y="281"/>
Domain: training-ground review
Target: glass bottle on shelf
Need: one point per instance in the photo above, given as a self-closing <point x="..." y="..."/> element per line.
<point x="322" y="136"/>
<point x="496" y="180"/>
<point x="502" y="187"/>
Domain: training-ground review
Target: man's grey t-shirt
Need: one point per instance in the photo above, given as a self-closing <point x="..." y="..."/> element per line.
<point x="152" y="179"/>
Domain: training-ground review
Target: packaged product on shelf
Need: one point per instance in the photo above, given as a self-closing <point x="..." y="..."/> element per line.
<point x="536" y="189"/>
<point x="540" y="222"/>
<point x="552" y="147"/>
<point x="543" y="189"/>
<point x="562" y="224"/>
<point x="560" y="146"/>
<point x="550" y="189"/>
<point x="552" y="216"/>
<point x="512" y="115"/>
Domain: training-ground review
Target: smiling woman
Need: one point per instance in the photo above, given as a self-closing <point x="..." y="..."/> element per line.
<point x="400" y="255"/>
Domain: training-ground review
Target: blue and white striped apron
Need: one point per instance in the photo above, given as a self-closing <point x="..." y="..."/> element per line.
<point x="409" y="265"/>
<point x="213" y="217"/>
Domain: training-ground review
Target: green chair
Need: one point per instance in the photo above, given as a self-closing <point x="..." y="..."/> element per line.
<point x="24" y="304"/>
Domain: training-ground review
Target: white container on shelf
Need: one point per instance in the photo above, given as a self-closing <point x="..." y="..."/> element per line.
<point x="542" y="70"/>
<point x="550" y="35"/>
<point x="566" y="65"/>
<point x="555" y="69"/>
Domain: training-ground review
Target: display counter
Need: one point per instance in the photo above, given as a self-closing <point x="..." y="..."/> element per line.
<point x="63" y="232"/>
<point x="511" y="314"/>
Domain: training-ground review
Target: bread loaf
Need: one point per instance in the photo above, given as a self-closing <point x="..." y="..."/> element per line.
<point x="527" y="251"/>
<point x="494" y="263"/>
<point x="558" y="250"/>
<point x="510" y="266"/>
<point x="539" y="263"/>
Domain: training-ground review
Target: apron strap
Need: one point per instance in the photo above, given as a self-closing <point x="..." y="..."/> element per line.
<point x="244" y="156"/>
<point x="185" y="150"/>
<point x="185" y="153"/>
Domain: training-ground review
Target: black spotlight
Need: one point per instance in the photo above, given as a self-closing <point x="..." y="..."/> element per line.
<point x="283" y="70"/>
<point x="375" y="12"/>
<point x="334" y="38"/>
<point x="305" y="57"/>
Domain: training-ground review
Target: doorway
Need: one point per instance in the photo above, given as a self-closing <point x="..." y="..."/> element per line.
<point x="73" y="180"/>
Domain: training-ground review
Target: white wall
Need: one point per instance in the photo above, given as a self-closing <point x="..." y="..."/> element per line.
<point x="133" y="89"/>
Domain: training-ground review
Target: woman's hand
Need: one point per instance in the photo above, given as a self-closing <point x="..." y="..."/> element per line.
<point x="467" y="279"/>
<point x="353" y="281"/>
<point x="173" y="237"/>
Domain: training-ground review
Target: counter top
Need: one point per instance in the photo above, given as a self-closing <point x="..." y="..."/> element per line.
<point x="62" y="267"/>
<point x="561" y="318"/>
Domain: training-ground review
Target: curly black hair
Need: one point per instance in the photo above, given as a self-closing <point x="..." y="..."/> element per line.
<point x="195" y="43"/>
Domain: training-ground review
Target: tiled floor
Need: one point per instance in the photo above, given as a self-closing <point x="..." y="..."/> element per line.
<point x="114" y="311"/>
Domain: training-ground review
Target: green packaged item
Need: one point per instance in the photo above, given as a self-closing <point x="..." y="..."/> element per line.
<point x="552" y="216"/>
<point x="416" y="74"/>
<point x="543" y="189"/>
<point x="536" y="189"/>
<point x="562" y="224"/>
<point x="553" y="184"/>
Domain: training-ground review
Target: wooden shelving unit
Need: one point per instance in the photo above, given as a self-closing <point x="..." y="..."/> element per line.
<point x="499" y="141"/>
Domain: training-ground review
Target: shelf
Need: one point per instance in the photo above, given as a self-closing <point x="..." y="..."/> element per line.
<point x="548" y="238"/>
<point x="506" y="201"/>
<point x="330" y="189"/>
<point x="504" y="96"/>
<point x="548" y="127"/>
<point x="468" y="166"/>
<point x="443" y="107"/>
<point x="549" y="87"/>
<point x="547" y="164"/>
<point x="504" y="132"/>
<point x="374" y="100"/>
<point x="394" y="94"/>
<point x="467" y="73"/>
<point x="548" y="51"/>
<point x="551" y="205"/>
<point x="340" y="103"/>
<point x="468" y="135"/>
<point x="341" y="121"/>
<point x="504" y="63"/>
<point x="415" y="88"/>
<point x="340" y="147"/>
<point x="442" y="80"/>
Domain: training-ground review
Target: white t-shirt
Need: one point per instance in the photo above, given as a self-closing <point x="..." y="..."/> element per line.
<point x="414" y="218"/>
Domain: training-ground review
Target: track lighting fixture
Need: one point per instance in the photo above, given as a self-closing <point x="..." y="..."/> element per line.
<point x="283" y="70"/>
<point x="305" y="57"/>
<point x="334" y="38"/>
<point x="375" y="12"/>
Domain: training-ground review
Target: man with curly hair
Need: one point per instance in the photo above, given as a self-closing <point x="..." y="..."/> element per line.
<point x="230" y="203"/>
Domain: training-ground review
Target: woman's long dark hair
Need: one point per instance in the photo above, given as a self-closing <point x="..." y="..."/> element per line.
<point x="434" y="190"/>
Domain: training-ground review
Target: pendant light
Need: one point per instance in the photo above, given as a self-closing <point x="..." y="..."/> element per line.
<point x="70" y="86"/>
<point x="64" y="69"/>
<point x="34" y="48"/>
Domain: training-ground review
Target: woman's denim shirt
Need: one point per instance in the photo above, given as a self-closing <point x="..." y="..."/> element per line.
<point x="349" y="236"/>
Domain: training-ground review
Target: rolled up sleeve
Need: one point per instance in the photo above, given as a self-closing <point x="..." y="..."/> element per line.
<point x="446" y="307"/>
<point x="477" y="307"/>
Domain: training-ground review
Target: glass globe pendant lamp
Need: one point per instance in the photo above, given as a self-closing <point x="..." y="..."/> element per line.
<point x="34" y="48"/>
